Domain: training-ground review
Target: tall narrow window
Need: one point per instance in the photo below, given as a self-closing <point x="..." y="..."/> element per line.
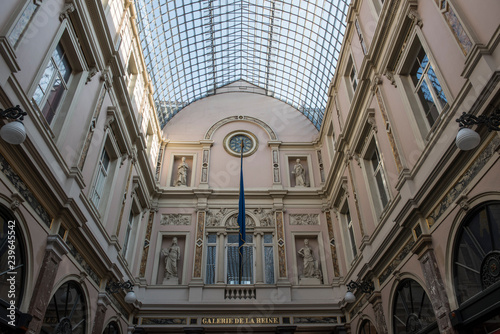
<point x="211" y="258"/>
<point x="351" y="78"/>
<point x="102" y="174"/>
<point x="373" y="167"/>
<point x="233" y="269"/>
<point x="360" y="36"/>
<point x="53" y="85"/>
<point x="351" y="234"/>
<point x="268" y="259"/>
<point x="130" y="226"/>
<point x="427" y="87"/>
<point x="378" y="176"/>
<point x="351" y="250"/>
<point x="22" y="24"/>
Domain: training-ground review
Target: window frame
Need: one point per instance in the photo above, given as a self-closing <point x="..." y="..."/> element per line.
<point x="350" y="246"/>
<point x="112" y="149"/>
<point x="69" y="41"/>
<point x="251" y="246"/>
<point x="351" y="81"/>
<point x="374" y="190"/>
<point x="418" y="115"/>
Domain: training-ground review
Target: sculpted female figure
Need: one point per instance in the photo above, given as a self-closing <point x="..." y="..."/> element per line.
<point x="182" y="172"/>
<point x="172" y="255"/>
<point x="309" y="265"/>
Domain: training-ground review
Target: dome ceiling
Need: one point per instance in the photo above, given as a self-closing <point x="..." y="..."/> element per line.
<point x="287" y="48"/>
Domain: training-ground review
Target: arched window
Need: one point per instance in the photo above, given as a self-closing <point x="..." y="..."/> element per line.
<point x="412" y="311"/>
<point x="367" y="328"/>
<point x="476" y="270"/>
<point x="476" y="261"/>
<point x="111" y="328"/>
<point x="66" y="312"/>
<point x="12" y="258"/>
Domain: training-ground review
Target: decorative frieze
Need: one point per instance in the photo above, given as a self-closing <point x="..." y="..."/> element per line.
<point x="315" y="320"/>
<point x="79" y="258"/>
<point x="24" y="191"/>
<point x="304" y="219"/>
<point x="396" y="261"/>
<point x="175" y="219"/>
<point x="469" y="174"/>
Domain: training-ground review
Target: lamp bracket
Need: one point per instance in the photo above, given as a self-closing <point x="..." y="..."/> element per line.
<point x="492" y="121"/>
<point x="13" y="113"/>
<point x="114" y="287"/>
<point x="364" y="286"/>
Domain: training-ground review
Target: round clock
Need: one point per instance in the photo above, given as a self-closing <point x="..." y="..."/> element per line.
<point x="238" y="140"/>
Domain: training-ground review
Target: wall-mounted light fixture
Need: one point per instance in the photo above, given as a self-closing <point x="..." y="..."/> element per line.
<point x="364" y="286"/>
<point x="467" y="139"/>
<point x="13" y="132"/>
<point x="114" y="287"/>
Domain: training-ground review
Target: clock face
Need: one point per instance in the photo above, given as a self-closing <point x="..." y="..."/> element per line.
<point x="238" y="140"/>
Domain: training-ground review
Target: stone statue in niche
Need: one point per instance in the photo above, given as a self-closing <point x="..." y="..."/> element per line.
<point x="182" y="172"/>
<point x="172" y="255"/>
<point x="300" y="174"/>
<point x="310" y="273"/>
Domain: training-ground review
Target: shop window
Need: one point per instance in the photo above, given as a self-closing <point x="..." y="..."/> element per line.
<point x="66" y="311"/>
<point x="367" y="328"/>
<point x="111" y="328"/>
<point x="412" y="310"/>
<point x="478" y="244"/>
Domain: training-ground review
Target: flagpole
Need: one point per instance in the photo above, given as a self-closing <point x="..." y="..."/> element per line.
<point x="241" y="218"/>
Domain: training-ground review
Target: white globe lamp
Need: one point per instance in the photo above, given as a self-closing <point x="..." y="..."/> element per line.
<point x="13" y="133"/>
<point x="467" y="139"/>
<point x="349" y="297"/>
<point x="130" y="297"/>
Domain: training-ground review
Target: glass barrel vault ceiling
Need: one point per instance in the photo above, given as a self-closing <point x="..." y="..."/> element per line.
<point x="287" y="48"/>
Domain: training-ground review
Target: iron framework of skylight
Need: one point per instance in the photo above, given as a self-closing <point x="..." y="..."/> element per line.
<point x="287" y="48"/>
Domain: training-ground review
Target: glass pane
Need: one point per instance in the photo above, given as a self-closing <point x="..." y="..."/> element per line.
<point x="22" y="23"/>
<point x="53" y="99"/>
<point x="212" y="238"/>
<point x="437" y="87"/>
<point x="381" y="188"/>
<point x="412" y="308"/>
<point x="44" y="82"/>
<point x="67" y="304"/>
<point x="430" y="109"/>
<point x="268" y="238"/>
<point x="233" y="265"/>
<point x="417" y="71"/>
<point x="478" y="238"/>
<point x="251" y="40"/>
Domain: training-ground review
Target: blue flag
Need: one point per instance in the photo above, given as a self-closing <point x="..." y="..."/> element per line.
<point x="241" y="220"/>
